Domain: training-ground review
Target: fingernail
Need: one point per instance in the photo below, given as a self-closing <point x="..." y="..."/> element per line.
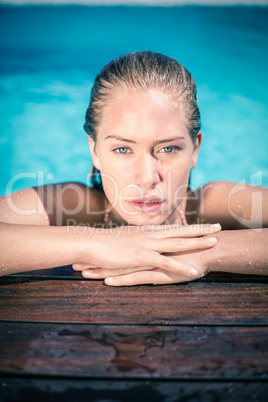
<point x="192" y="272"/>
<point x="211" y="240"/>
<point x="109" y="281"/>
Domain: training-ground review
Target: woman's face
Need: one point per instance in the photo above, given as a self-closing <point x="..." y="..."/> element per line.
<point x="144" y="153"/>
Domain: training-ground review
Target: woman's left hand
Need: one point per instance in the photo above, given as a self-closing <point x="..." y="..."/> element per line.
<point x="145" y="275"/>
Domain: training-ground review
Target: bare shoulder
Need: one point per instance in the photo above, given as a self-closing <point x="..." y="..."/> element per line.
<point x="53" y="204"/>
<point x="233" y="205"/>
<point x="23" y="207"/>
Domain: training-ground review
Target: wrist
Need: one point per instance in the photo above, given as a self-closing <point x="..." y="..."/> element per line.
<point x="206" y="260"/>
<point x="85" y="243"/>
<point x="211" y="259"/>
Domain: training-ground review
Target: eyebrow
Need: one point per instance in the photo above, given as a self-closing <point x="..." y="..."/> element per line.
<point x="169" y="140"/>
<point x="116" y="137"/>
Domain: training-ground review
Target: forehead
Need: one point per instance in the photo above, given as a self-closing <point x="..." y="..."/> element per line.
<point x="141" y="114"/>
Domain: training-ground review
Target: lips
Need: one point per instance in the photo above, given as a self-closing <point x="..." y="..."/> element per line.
<point x="146" y="204"/>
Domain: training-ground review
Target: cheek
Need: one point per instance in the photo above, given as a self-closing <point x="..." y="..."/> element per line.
<point x="121" y="173"/>
<point x="179" y="171"/>
<point x="110" y="187"/>
<point x="177" y="177"/>
<point x="114" y="180"/>
<point x="179" y="182"/>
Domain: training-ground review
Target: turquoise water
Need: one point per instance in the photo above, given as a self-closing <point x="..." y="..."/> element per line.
<point x="50" y="56"/>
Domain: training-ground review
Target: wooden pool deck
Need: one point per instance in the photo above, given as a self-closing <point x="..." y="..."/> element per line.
<point x="66" y="338"/>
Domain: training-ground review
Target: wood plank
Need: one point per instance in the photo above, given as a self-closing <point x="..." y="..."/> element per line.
<point x="55" y="390"/>
<point x="120" y="351"/>
<point x="86" y="301"/>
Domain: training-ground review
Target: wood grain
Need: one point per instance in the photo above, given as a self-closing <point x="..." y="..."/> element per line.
<point x="85" y="301"/>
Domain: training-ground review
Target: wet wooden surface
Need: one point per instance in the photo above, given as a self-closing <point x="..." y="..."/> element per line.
<point x="83" y="301"/>
<point x="66" y="338"/>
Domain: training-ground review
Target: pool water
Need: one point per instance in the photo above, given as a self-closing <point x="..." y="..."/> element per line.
<point x="51" y="54"/>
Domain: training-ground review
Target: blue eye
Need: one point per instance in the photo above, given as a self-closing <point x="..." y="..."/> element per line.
<point x="170" y="150"/>
<point x="122" y="150"/>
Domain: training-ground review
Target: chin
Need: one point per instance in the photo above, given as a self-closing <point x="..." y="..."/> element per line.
<point x="146" y="220"/>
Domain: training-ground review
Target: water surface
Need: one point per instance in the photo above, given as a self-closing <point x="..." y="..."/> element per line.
<point x="51" y="54"/>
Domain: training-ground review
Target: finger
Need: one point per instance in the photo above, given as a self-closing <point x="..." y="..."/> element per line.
<point x="173" y="245"/>
<point x="81" y="267"/>
<point x="101" y="273"/>
<point x="170" y="231"/>
<point x="168" y="264"/>
<point x="155" y="277"/>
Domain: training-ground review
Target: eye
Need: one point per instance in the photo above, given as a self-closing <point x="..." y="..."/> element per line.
<point x="170" y="150"/>
<point x="122" y="150"/>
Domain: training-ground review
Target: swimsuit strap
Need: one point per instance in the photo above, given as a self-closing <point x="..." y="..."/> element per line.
<point x="106" y="216"/>
<point x="183" y="217"/>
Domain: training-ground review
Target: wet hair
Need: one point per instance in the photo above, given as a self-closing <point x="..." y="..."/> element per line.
<point x="142" y="71"/>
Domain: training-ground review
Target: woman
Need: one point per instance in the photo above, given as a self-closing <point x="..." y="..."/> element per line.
<point x="143" y="125"/>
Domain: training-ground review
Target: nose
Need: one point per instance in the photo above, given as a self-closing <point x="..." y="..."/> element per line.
<point x="147" y="171"/>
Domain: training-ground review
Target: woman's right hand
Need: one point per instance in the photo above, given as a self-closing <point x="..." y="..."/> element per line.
<point x="128" y="248"/>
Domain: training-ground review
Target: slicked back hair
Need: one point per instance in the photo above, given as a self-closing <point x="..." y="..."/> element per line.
<point x="143" y="71"/>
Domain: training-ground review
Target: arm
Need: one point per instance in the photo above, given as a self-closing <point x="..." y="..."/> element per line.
<point x="243" y="252"/>
<point x="30" y="240"/>
<point x="33" y="234"/>
<point x="33" y="247"/>
<point x="235" y="206"/>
